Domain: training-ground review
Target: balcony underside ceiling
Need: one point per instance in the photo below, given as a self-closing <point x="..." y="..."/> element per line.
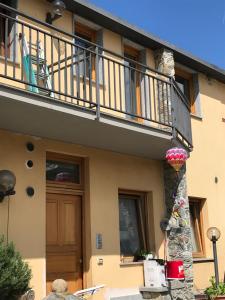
<point x="39" y="116"/>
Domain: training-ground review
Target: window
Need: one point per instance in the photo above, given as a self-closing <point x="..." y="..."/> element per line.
<point x="196" y="223"/>
<point x="7" y="28"/>
<point x="184" y="81"/>
<point x="184" y="85"/>
<point x="85" y="58"/>
<point x="63" y="170"/>
<point x="135" y="223"/>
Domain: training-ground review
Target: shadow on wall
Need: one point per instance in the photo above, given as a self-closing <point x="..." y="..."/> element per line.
<point x="212" y="88"/>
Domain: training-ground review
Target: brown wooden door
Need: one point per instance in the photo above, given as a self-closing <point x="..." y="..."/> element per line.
<point x="64" y="240"/>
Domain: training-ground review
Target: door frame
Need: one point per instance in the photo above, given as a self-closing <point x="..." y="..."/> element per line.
<point x="76" y="190"/>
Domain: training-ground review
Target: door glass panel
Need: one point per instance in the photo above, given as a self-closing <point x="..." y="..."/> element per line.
<point x="62" y="171"/>
<point x="130" y="86"/>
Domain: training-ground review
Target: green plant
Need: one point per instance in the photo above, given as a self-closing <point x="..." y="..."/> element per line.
<point x="215" y="290"/>
<point x="15" y="274"/>
<point x="142" y="253"/>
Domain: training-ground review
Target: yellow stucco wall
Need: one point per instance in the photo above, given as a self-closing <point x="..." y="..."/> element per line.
<point x="116" y="171"/>
<point x="207" y="162"/>
<point x="27" y="216"/>
<point x="108" y="172"/>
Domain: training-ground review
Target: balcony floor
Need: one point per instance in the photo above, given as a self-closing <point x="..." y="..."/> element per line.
<point x="40" y="116"/>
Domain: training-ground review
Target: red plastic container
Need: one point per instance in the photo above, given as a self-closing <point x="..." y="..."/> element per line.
<point x="175" y="270"/>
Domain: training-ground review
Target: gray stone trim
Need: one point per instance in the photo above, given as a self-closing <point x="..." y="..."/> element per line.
<point x="202" y="260"/>
<point x="164" y="61"/>
<point x="153" y="289"/>
<point x="128" y="264"/>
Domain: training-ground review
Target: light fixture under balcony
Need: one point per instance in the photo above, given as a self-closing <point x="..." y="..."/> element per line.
<point x="58" y="7"/>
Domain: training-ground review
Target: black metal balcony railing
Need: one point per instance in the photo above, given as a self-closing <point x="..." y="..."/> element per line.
<point x="45" y="60"/>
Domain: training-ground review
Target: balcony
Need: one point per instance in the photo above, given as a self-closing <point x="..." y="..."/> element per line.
<point x="56" y="85"/>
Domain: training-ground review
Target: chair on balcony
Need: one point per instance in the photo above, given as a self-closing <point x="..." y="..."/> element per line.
<point x="35" y="67"/>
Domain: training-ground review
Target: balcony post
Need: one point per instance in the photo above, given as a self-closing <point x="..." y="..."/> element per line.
<point x="97" y="86"/>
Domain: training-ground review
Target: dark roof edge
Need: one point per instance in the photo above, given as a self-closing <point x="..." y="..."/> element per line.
<point x="116" y="24"/>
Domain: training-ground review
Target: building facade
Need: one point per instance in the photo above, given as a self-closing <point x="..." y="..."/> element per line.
<point x="89" y="107"/>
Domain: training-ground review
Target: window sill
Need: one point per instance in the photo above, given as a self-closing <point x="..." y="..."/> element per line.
<point x="132" y="263"/>
<point x="140" y="263"/>
<point x="196" y="117"/>
<point x="10" y="61"/>
<point x="202" y="260"/>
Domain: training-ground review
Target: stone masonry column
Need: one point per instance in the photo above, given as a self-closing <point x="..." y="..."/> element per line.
<point x="178" y="230"/>
<point x="164" y="63"/>
<point x="177" y="222"/>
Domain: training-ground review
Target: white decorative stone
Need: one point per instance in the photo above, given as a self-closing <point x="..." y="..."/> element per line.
<point x="164" y="61"/>
<point x="59" y="286"/>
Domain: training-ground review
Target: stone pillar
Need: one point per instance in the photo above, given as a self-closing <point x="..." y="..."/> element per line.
<point x="178" y="230"/>
<point x="164" y="63"/>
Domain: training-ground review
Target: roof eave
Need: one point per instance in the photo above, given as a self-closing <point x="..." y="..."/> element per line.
<point x="107" y="20"/>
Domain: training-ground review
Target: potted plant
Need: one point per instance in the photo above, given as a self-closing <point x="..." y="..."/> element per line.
<point x="143" y="255"/>
<point x="15" y="274"/>
<point x="215" y="292"/>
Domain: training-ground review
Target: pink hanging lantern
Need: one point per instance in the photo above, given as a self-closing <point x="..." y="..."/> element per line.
<point x="176" y="157"/>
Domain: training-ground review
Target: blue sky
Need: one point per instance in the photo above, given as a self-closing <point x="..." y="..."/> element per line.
<point x="196" y="26"/>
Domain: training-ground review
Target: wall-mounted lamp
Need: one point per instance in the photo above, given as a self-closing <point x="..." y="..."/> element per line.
<point x="213" y="234"/>
<point x="7" y="184"/>
<point x="58" y="7"/>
